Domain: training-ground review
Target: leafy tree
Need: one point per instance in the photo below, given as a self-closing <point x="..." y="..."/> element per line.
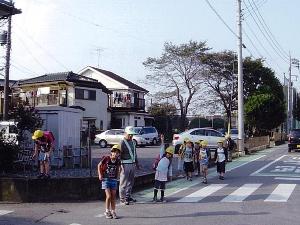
<point x="296" y="107"/>
<point x="175" y="74"/>
<point x="264" y="111"/>
<point x="163" y="114"/>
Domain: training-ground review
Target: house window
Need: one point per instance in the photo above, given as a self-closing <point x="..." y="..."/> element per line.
<point x="85" y="94"/>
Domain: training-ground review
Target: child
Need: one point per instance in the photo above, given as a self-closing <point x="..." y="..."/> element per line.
<point x="180" y="158"/>
<point x="187" y="155"/>
<point x="221" y="156"/>
<point x="204" y="160"/>
<point x="163" y="172"/>
<point x="108" y="171"/>
<point x="197" y="156"/>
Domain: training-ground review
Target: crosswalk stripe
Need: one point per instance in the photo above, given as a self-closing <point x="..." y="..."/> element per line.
<point x="281" y="193"/>
<point x="202" y="193"/>
<point x="241" y="193"/>
<point x="3" y="212"/>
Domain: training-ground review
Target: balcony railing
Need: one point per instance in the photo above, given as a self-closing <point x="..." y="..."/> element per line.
<point x="137" y="103"/>
<point x="48" y="99"/>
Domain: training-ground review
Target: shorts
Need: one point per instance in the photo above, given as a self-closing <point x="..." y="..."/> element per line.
<point x="188" y="167"/>
<point x="159" y="185"/>
<point x="43" y="156"/>
<point x="221" y="167"/>
<point x="203" y="167"/>
<point x="109" y="184"/>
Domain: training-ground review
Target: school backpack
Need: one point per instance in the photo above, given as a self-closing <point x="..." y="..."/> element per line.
<point x="156" y="161"/>
<point x="103" y="165"/>
<point x="49" y="137"/>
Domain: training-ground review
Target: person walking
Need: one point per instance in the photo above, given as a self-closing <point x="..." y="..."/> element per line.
<point x="229" y="145"/>
<point x="163" y="173"/>
<point x="197" y="148"/>
<point x="221" y="156"/>
<point x="188" y="156"/>
<point x="204" y="160"/>
<point x="43" y="148"/>
<point x="108" y="172"/>
<point x="129" y="164"/>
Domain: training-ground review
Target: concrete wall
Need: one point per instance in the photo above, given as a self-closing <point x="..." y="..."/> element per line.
<point x="55" y="190"/>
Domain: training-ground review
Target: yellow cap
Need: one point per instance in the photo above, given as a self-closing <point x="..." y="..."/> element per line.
<point x="186" y="139"/>
<point x="170" y="150"/>
<point x="220" y="141"/>
<point x="198" y="142"/>
<point x="227" y="136"/>
<point x="204" y="143"/>
<point x="116" y="147"/>
<point x="37" y="134"/>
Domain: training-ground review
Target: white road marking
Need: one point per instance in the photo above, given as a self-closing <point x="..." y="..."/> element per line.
<point x="242" y="193"/>
<point x="75" y="224"/>
<point x="281" y="193"/>
<point x="266" y="166"/>
<point x="4" y="212"/>
<point x="202" y="193"/>
<point x="191" y="185"/>
<point x="287" y="178"/>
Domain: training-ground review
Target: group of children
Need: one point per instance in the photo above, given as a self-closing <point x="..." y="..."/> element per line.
<point x="194" y="157"/>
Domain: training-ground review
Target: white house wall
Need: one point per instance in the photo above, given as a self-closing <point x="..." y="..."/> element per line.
<point x="94" y="108"/>
<point x="105" y="80"/>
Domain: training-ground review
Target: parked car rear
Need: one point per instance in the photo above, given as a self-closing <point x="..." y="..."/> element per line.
<point x="294" y="140"/>
<point x="210" y="135"/>
<point x="114" y="136"/>
<point x="149" y="133"/>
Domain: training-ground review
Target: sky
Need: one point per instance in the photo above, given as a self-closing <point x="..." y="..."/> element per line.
<point x="118" y="35"/>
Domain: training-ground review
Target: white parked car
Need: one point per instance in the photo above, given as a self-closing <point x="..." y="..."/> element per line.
<point x="149" y="133"/>
<point x="114" y="136"/>
<point x="210" y="135"/>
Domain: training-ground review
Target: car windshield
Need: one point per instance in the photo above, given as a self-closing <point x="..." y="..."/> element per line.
<point x="137" y="130"/>
<point x="234" y="131"/>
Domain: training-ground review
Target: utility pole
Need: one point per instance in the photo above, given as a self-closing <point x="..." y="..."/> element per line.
<point x="289" y="122"/>
<point x="7" y="65"/>
<point x="240" y="81"/>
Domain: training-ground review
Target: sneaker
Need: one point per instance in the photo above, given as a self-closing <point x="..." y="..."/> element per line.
<point x="204" y="181"/>
<point x="108" y="215"/>
<point x="114" y="215"/>
<point x="222" y="178"/>
<point x="162" y="200"/>
<point x="190" y="179"/>
<point x="154" y="200"/>
<point x="131" y="200"/>
<point x="124" y="202"/>
<point x="46" y="176"/>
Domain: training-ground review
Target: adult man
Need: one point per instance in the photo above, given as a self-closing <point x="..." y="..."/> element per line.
<point x="43" y="148"/>
<point x="129" y="163"/>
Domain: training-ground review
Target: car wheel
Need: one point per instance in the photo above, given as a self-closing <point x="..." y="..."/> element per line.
<point x="154" y="141"/>
<point x="102" y="144"/>
<point x="135" y="142"/>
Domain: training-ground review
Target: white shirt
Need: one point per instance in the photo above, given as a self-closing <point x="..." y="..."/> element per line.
<point x="221" y="154"/>
<point x="162" y="169"/>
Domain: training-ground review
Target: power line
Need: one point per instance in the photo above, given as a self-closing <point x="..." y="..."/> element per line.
<point x="269" y="31"/>
<point x="46" y="51"/>
<point x="259" y="4"/>
<point x="267" y="39"/>
<point x="218" y="15"/>
<point x="30" y="52"/>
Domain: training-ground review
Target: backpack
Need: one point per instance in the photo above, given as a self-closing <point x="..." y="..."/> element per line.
<point x="156" y="161"/>
<point x="49" y="136"/>
<point x="103" y="165"/>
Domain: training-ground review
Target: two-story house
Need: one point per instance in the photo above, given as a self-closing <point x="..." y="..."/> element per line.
<point x="70" y="90"/>
<point x="127" y="101"/>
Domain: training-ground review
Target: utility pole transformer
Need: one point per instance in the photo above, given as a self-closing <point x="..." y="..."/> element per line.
<point x="240" y="81"/>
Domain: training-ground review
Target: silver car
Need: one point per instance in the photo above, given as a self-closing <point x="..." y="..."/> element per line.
<point x="114" y="136"/>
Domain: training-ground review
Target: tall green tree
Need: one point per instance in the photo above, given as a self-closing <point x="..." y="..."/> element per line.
<point x="175" y="74"/>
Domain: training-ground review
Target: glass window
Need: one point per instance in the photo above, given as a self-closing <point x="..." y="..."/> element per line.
<point x="198" y="132"/>
<point x="85" y="94"/>
<point x="110" y="132"/>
